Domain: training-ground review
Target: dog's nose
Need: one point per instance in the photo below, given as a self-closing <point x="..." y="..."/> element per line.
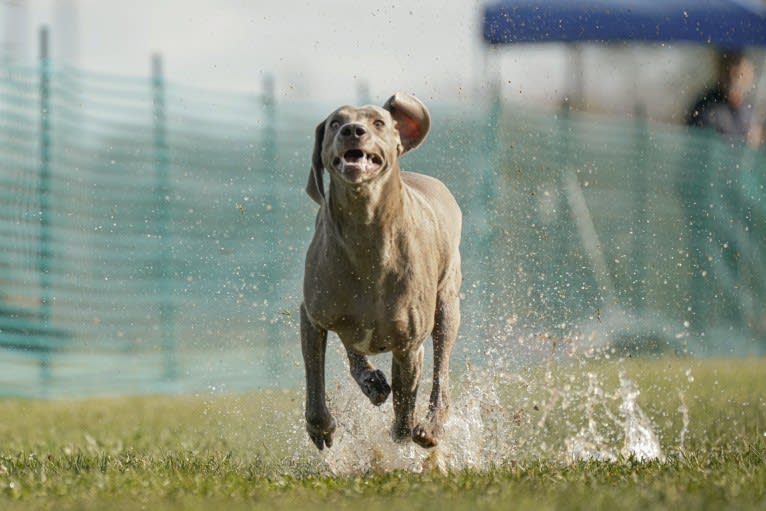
<point x="353" y="130"/>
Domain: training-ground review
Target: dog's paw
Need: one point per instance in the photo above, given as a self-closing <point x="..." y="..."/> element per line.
<point x="374" y="386"/>
<point x="321" y="431"/>
<point x="424" y="436"/>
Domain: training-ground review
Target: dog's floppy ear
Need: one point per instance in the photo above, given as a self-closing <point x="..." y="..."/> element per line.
<point x="412" y="119"/>
<point x="315" y="186"/>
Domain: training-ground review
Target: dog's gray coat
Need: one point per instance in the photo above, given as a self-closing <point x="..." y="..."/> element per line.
<point x="383" y="268"/>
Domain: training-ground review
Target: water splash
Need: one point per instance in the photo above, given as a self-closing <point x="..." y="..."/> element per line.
<point x="474" y="435"/>
<point x="501" y="415"/>
<point x="640" y="439"/>
<point x="684" y="411"/>
<point x="598" y="440"/>
<point x="589" y="443"/>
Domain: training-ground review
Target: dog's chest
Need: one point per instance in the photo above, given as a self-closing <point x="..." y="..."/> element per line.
<point x="377" y="316"/>
<point x="370" y="334"/>
<point x="377" y="290"/>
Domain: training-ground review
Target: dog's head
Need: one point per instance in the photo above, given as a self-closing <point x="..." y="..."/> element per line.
<point x="359" y="144"/>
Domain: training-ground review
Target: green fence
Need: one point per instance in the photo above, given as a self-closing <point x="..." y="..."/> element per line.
<point x="153" y="235"/>
<point x="644" y="236"/>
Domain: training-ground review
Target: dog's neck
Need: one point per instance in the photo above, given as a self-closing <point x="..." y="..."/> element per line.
<point x="370" y="205"/>
<point x="366" y="218"/>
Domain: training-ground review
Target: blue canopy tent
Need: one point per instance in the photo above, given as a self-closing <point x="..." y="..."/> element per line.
<point x="726" y="23"/>
<point x="720" y="23"/>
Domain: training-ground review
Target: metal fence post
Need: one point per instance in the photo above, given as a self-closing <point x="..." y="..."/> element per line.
<point x="162" y="164"/>
<point x="274" y="215"/>
<point x="43" y="193"/>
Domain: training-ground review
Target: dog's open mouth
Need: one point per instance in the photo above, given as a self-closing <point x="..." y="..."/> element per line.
<point x="356" y="162"/>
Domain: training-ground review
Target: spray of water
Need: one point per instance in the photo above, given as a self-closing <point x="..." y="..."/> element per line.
<point x="640" y="440"/>
<point x="502" y="414"/>
<point x="474" y="436"/>
<point x="684" y="411"/>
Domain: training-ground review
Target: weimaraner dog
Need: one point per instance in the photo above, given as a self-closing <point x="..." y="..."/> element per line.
<point x="383" y="268"/>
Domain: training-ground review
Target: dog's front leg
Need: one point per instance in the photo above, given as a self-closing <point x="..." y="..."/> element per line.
<point x="446" y="323"/>
<point x="319" y="422"/>
<point x="372" y="381"/>
<point x="406" y="368"/>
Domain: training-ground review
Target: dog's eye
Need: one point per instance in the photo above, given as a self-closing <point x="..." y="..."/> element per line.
<point x="379" y="123"/>
<point x="335" y="125"/>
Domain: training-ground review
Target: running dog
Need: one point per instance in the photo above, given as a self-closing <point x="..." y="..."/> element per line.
<point x="383" y="268"/>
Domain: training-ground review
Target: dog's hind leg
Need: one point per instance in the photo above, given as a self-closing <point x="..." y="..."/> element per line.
<point x="372" y="381"/>
<point x="445" y="331"/>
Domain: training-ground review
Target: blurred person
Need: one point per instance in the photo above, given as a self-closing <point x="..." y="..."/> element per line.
<point x="725" y="107"/>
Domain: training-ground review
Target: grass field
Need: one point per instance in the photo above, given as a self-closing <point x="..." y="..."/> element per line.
<point x="249" y="451"/>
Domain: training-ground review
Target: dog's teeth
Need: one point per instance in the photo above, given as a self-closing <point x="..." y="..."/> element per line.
<point x="358" y="160"/>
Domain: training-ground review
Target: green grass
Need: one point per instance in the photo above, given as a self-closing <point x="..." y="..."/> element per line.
<point x="249" y="452"/>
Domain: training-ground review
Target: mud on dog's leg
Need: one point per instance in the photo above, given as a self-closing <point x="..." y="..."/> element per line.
<point x="320" y="424"/>
<point x="372" y="381"/>
<point x="427" y="434"/>
<point x="406" y="369"/>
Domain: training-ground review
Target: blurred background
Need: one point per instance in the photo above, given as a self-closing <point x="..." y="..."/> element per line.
<point x="153" y="157"/>
<point x="232" y="45"/>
